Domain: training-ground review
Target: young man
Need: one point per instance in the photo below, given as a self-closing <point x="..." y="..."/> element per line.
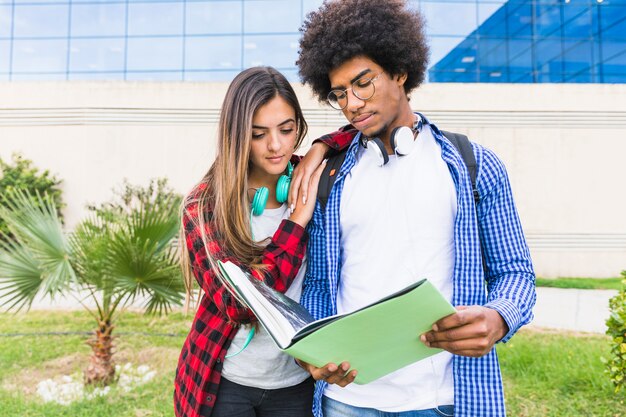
<point x="389" y="223"/>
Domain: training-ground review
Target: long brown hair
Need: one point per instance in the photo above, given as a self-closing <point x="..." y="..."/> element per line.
<point x="224" y="187"/>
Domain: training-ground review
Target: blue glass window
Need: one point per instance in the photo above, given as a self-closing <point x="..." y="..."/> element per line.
<point x="579" y="57"/>
<point x="610" y="14"/>
<point x="98" y="19"/>
<point x="612" y="48"/>
<point x="155" y="76"/>
<point x="155" y="19"/>
<point x="148" y="54"/>
<point x="548" y="19"/>
<point x="213" y="52"/>
<point x="615" y="31"/>
<point x="439" y="20"/>
<point x="5" y="21"/>
<point x="492" y="54"/>
<point x="284" y="50"/>
<point x="271" y="16"/>
<point x="615" y="67"/>
<point x="97" y="55"/>
<point x="41" y="21"/>
<point x="583" y="77"/>
<point x="547" y="50"/>
<point x="40" y="55"/>
<point x="310" y="5"/>
<point x="520" y="20"/>
<point x="578" y="22"/>
<point x="119" y="75"/>
<point x="213" y="17"/>
<point x="520" y="55"/>
<point x="213" y="75"/>
<point x="441" y="46"/>
<point x="5" y="56"/>
<point x="492" y="19"/>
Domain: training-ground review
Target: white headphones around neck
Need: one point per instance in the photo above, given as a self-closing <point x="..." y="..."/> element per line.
<point x="402" y="141"/>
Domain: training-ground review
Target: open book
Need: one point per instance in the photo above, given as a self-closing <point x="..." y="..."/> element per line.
<point x="377" y="339"/>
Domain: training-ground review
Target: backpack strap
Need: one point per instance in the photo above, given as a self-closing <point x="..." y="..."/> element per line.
<point x="463" y="145"/>
<point x="333" y="165"/>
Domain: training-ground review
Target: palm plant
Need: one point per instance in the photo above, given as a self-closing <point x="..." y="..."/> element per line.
<point x="115" y="261"/>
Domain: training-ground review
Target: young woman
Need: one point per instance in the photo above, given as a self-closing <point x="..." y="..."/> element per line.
<point x="229" y="366"/>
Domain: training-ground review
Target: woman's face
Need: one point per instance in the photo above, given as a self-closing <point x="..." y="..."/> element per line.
<point x="273" y="140"/>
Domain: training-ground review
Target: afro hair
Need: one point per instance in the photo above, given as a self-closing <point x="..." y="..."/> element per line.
<point x="386" y="31"/>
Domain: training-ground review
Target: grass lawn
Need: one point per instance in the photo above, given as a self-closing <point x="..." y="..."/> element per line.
<point x="545" y="373"/>
<point x="582" y="283"/>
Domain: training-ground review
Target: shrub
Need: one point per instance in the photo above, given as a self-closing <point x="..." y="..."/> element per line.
<point x="20" y="174"/>
<point x="616" y="329"/>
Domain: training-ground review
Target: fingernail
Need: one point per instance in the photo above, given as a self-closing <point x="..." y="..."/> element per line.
<point x="435" y="328"/>
<point x="303" y="199"/>
<point x="292" y="207"/>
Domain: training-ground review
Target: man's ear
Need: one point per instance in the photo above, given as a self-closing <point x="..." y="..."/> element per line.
<point x="401" y="79"/>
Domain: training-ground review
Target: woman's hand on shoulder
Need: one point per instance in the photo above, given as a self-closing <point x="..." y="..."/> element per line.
<point x="303" y="172"/>
<point x="301" y="207"/>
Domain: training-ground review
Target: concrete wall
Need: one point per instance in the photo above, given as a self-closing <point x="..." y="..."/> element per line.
<point x="563" y="146"/>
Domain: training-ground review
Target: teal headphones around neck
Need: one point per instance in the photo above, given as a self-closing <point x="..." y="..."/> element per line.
<point x="282" y="192"/>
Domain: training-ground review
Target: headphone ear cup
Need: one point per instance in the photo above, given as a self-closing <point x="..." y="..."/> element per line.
<point x="402" y="140"/>
<point x="282" y="188"/>
<point x="378" y="148"/>
<point x="260" y="200"/>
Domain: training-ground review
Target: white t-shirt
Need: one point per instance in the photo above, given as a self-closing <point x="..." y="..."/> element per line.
<point x="397" y="227"/>
<point x="262" y="364"/>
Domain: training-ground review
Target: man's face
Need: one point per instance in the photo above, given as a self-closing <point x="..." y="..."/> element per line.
<point x="375" y="116"/>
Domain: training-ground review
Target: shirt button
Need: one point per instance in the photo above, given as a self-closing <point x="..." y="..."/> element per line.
<point x="208" y="399"/>
<point x="218" y="360"/>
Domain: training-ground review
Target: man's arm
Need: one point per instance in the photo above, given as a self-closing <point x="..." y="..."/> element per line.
<point x="473" y="330"/>
<point x="316" y="298"/>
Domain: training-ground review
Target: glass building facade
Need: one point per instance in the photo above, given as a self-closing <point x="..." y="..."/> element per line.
<point x="471" y="40"/>
<point x="572" y="41"/>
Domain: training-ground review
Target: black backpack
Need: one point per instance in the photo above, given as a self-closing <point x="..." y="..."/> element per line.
<point x="460" y="142"/>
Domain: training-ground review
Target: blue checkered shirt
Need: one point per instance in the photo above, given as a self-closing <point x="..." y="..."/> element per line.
<point x="506" y="283"/>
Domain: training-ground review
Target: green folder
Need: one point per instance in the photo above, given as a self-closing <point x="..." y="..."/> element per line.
<point x="376" y="340"/>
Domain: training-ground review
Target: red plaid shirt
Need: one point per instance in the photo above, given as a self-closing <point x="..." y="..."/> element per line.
<point x="200" y="363"/>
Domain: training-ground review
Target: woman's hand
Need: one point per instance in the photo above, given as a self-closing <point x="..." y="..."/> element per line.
<point x="301" y="176"/>
<point x="302" y="207"/>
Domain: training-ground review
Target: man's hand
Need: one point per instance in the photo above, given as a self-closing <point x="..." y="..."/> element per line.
<point x="330" y="373"/>
<point x="302" y="174"/>
<point x="471" y="331"/>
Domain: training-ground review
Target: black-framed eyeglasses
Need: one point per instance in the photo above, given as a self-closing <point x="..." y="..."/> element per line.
<point x="363" y="89"/>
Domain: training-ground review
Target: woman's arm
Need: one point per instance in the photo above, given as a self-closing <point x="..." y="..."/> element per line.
<point x="282" y="256"/>
<point x="322" y="147"/>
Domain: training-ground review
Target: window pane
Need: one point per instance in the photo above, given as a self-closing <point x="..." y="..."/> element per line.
<point x="310" y="5"/>
<point x="492" y="19"/>
<point x="271" y="16"/>
<point x="214" y="52"/>
<point x="155" y="19"/>
<point x="548" y="19"/>
<point x="97" y="55"/>
<point x="39" y="56"/>
<point x="38" y="77"/>
<point x="449" y="18"/>
<point x="577" y="22"/>
<point x="41" y="21"/>
<point x="280" y="51"/>
<point x="520" y="19"/>
<point x="213" y="17"/>
<point x="492" y="54"/>
<point x="440" y="47"/>
<point x="579" y="58"/>
<point x="520" y="54"/>
<point x="99" y="20"/>
<point x="216" y="76"/>
<point x="5" y="54"/>
<point x="612" y="48"/>
<point x="617" y="31"/>
<point x="546" y="50"/>
<point x="97" y="76"/>
<point x="5" y="21"/>
<point x="145" y="54"/>
<point x="155" y="76"/>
